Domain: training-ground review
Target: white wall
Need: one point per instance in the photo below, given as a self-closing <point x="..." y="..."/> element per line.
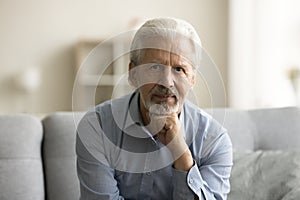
<point x="264" y="46"/>
<point x="43" y="34"/>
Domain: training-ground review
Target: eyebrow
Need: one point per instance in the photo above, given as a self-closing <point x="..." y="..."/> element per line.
<point x="183" y="61"/>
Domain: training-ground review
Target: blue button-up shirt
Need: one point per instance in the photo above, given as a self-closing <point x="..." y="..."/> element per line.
<point x="118" y="158"/>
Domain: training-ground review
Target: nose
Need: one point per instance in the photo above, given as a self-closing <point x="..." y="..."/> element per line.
<point x="166" y="77"/>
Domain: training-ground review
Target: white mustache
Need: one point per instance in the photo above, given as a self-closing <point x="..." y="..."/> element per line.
<point x="161" y="90"/>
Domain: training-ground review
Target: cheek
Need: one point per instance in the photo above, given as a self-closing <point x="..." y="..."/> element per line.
<point x="146" y="89"/>
<point x="185" y="83"/>
<point x="144" y="80"/>
<point x="183" y="88"/>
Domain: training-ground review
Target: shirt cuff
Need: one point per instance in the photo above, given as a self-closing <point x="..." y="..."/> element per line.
<point x="194" y="180"/>
<point x="187" y="183"/>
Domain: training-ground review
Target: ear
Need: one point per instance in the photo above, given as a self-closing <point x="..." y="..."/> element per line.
<point x="132" y="74"/>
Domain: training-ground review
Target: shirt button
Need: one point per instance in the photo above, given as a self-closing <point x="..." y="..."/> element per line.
<point x="191" y="181"/>
<point x="148" y="173"/>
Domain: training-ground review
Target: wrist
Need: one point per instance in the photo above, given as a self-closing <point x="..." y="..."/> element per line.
<point x="185" y="162"/>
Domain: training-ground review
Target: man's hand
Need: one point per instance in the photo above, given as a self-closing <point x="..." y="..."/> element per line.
<point x="171" y="135"/>
<point x="170" y="130"/>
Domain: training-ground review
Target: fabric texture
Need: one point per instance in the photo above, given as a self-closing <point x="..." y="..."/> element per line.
<point x="59" y="156"/>
<point x="240" y="125"/>
<point x="21" y="170"/>
<point x="279" y="128"/>
<point x="266" y="175"/>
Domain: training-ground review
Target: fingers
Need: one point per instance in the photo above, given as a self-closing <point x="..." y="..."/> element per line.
<point x="170" y="134"/>
<point x="166" y="127"/>
<point x="172" y="122"/>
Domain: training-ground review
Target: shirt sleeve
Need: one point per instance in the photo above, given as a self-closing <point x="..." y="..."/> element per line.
<point x="209" y="179"/>
<point x="96" y="177"/>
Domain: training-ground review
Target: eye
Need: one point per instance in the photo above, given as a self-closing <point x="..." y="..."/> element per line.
<point x="179" y="69"/>
<point x="156" y="67"/>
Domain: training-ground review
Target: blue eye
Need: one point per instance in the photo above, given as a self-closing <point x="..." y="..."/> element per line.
<point x="156" y="67"/>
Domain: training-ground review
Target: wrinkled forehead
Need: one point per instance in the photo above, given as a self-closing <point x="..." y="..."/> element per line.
<point x="177" y="45"/>
<point x="163" y="57"/>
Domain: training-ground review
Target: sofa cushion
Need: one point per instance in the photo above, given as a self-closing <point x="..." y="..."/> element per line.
<point x="279" y="128"/>
<point x="59" y="156"/>
<point x="21" y="170"/>
<point x="265" y="175"/>
<point x="240" y="126"/>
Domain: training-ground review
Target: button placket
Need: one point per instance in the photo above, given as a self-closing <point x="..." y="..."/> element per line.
<point x="147" y="180"/>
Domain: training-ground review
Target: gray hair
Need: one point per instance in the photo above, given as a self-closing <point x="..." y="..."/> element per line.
<point x="165" y="28"/>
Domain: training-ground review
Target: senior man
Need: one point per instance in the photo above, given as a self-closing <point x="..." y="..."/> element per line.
<point x="153" y="143"/>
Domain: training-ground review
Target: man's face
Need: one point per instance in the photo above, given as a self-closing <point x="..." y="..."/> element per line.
<point x="164" y="79"/>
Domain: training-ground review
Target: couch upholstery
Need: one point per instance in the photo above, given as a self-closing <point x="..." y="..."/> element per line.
<point x="59" y="156"/>
<point x="21" y="165"/>
<point x="262" y="129"/>
<point x="38" y="161"/>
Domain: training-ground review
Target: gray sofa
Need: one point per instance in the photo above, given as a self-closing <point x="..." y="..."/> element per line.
<point x="37" y="157"/>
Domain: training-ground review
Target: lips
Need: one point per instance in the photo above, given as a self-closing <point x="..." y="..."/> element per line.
<point x="164" y="97"/>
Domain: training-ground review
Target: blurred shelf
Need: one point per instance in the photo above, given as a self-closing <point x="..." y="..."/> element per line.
<point x="100" y="65"/>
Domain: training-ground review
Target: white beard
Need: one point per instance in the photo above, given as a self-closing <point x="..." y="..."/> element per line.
<point x="162" y="109"/>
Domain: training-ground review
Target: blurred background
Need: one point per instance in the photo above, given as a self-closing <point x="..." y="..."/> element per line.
<point x="255" y="45"/>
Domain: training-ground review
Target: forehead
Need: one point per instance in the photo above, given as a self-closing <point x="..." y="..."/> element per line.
<point x="162" y="56"/>
<point x="179" y="47"/>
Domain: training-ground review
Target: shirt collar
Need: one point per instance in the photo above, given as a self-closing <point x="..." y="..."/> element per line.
<point x="133" y="116"/>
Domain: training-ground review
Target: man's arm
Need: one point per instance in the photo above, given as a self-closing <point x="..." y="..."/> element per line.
<point x="206" y="180"/>
<point x="96" y="180"/>
<point x="95" y="175"/>
<point x="209" y="178"/>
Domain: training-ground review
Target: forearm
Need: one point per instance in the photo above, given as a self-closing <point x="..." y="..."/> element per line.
<point x="183" y="159"/>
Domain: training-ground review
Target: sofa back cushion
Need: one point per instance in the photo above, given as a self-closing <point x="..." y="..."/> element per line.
<point x="261" y="129"/>
<point x="59" y="156"/>
<point x="21" y="170"/>
<point x="239" y="125"/>
<point x="278" y="128"/>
